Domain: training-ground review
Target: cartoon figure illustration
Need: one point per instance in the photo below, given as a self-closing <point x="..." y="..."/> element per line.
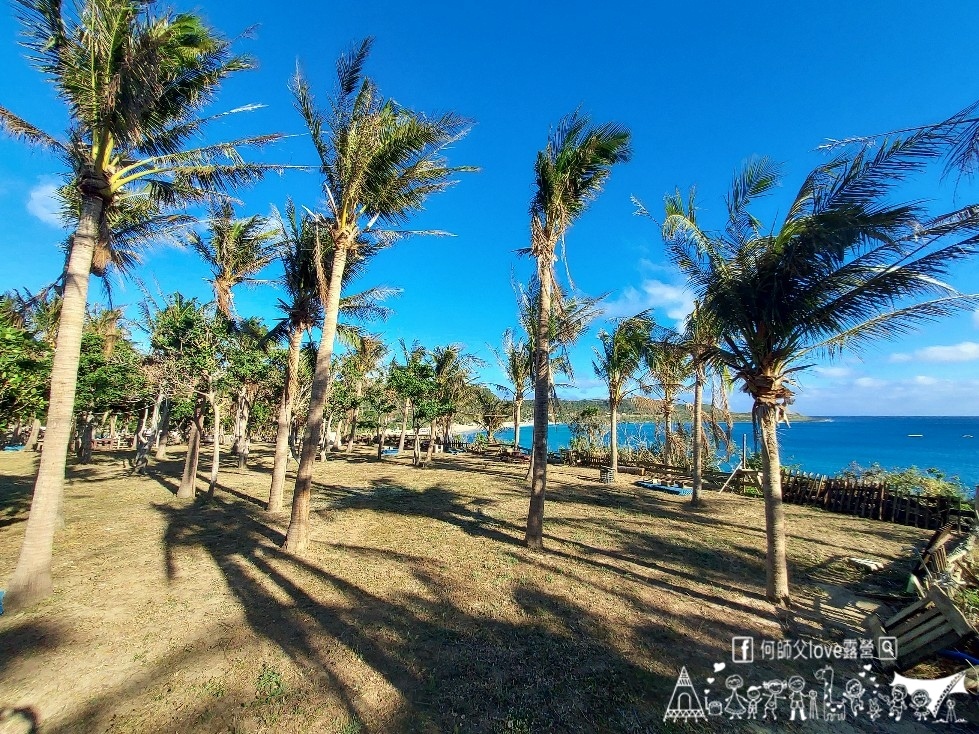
<point x="833" y="710"/>
<point x="797" y="703"/>
<point x="813" y="708"/>
<point x="754" y="696"/>
<point x="919" y="702"/>
<point x="950" y="716"/>
<point x="775" y="690"/>
<point x="715" y="708"/>
<point x="895" y="702"/>
<point x="853" y="693"/>
<point x="735" y="703"/>
<point x="874" y="709"/>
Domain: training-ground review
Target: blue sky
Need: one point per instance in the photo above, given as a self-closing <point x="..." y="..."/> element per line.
<point x="702" y="85"/>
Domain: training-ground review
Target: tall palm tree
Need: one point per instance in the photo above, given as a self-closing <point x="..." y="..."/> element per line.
<point x="847" y="264"/>
<point x="365" y="360"/>
<point x="570" y="172"/>
<point x="453" y="375"/>
<point x="516" y="360"/>
<point x="700" y="339"/>
<point x="671" y="371"/>
<point x="380" y="162"/>
<point x="302" y="312"/>
<point x="621" y="357"/>
<point x="134" y="82"/>
<point x="236" y="250"/>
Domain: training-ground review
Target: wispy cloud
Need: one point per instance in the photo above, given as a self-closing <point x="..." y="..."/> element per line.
<point x="672" y="301"/>
<point x="918" y="395"/>
<point x="42" y="202"/>
<point x="961" y="352"/>
<point x="869" y="382"/>
<point x="836" y="373"/>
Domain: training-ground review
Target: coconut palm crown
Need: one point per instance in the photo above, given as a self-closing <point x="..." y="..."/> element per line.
<point x="380" y="162"/>
<point x="847" y="265"/>
<point x="134" y="83"/>
<point x="569" y="174"/>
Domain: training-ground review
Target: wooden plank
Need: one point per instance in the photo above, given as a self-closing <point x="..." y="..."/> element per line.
<point x="907" y="661"/>
<point x="915" y="608"/>
<point x="909" y="624"/>
<point x="951" y="612"/>
<point x="919" y="628"/>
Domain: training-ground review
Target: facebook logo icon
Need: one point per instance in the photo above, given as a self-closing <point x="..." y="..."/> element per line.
<point x="743" y="649"/>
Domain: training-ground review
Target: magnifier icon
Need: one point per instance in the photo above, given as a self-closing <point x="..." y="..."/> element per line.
<point x="887" y="647"/>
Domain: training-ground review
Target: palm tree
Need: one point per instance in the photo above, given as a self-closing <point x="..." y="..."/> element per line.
<point x="380" y="162"/>
<point x="622" y="355"/>
<point x="453" y="375"/>
<point x="700" y="339"/>
<point x="236" y="250"/>
<point x="846" y="265"/>
<point x="133" y="82"/>
<point x="670" y="372"/>
<point x="365" y="359"/>
<point x="570" y="172"/>
<point x="516" y="360"/>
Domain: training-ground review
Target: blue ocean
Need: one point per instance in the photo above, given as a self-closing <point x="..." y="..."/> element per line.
<point x="827" y="445"/>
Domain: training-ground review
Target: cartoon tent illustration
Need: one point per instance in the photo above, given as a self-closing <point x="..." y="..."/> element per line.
<point x="684" y="703"/>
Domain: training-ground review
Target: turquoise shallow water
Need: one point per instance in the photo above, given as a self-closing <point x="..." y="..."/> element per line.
<point x="827" y="445"/>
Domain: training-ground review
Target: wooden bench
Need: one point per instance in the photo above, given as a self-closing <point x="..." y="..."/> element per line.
<point x="921" y="629"/>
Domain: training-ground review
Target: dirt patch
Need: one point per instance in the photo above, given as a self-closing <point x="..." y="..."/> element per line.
<point x="416" y="609"/>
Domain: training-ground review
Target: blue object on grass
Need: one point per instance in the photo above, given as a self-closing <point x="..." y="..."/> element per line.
<point x="953" y="654"/>
<point x="389" y="452"/>
<point x="2" y="592"/>
<point x="13" y="448"/>
<point x="681" y="491"/>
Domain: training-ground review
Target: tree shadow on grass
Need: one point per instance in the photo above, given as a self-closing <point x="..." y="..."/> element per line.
<point x="451" y="668"/>
<point x="15" y="498"/>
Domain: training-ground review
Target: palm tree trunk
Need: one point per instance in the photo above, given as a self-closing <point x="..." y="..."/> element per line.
<point x="244" y="440"/>
<point x="188" y="482"/>
<point x="164" y="432"/>
<point x="31" y="443"/>
<point x="776" y="567"/>
<point x="281" y="462"/>
<point x="416" y="450"/>
<point x="297" y="537"/>
<point x="404" y="427"/>
<point x="516" y="425"/>
<point x="697" y="438"/>
<point x="667" y="430"/>
<point x="87" y="438"/>
<point x="431" y="442"/>
<point x="216" y="449"/>
<point x="534" y="537"/>
<point x="354" y="416"/>
<point x="614" y="438"/>
<point x="31" y="580"/>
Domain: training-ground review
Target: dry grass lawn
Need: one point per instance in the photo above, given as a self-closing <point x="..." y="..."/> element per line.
<point x="416" y="610"/>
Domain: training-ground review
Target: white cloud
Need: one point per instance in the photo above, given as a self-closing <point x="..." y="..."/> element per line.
<point x="833" y="372"/>
<point x="672" y="301"/>
<point x="43" y="203"/>
<point x="869" y="382"/>
<point x="961" y="352"/>
<point x="919" y="395"/>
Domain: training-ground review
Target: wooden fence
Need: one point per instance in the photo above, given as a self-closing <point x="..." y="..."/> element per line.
<point x="847" y="496"/>
<point x="876" y="501"/>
